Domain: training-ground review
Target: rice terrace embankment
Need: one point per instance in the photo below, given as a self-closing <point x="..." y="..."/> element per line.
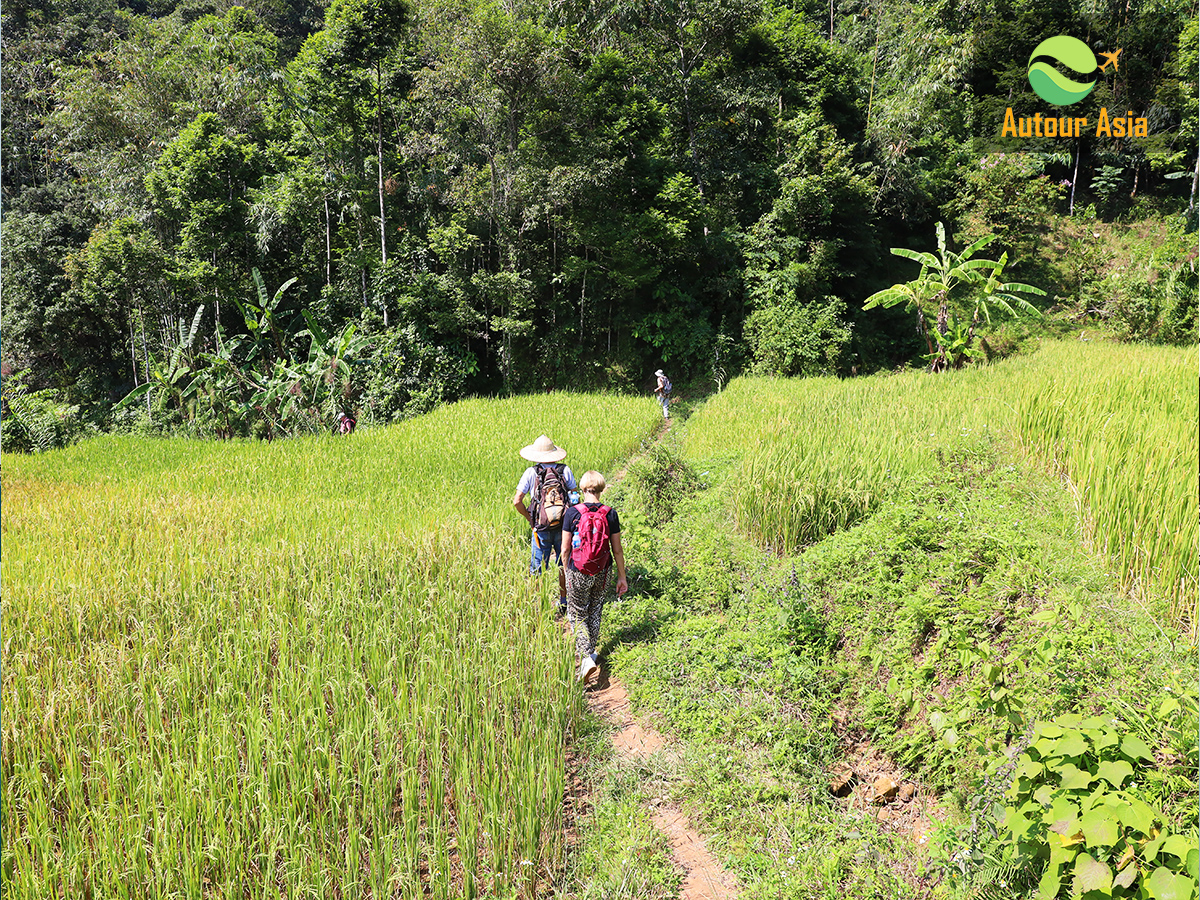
<point x="904" y="636"/>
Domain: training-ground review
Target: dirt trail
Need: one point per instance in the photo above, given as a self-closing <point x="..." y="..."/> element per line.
<point x="704" y="876"/>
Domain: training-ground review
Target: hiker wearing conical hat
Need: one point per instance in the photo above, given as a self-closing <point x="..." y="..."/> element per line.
<point x="550" y="486"/>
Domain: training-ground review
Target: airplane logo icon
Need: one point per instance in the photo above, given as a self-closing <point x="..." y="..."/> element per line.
<point x="1111" y="58"/>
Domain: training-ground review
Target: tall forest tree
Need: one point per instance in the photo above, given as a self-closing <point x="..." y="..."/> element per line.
<point x="518" y="196"/>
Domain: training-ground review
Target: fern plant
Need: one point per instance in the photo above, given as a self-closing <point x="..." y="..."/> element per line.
<point x="34" y="421"/>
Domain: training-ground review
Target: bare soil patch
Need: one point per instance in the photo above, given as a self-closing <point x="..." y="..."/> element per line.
<point x="704" y="878"/>
<point x="872" y="785"/>
<point x="609" y="700"/>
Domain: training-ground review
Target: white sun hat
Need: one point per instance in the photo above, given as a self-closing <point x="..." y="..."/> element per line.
<point x="543" y="450"/>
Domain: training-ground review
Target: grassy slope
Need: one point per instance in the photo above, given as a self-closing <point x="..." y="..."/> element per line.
<point x="869" y="647"/>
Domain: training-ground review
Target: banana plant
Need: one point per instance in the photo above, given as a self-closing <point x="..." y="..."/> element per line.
<point x="262" y="320"/>
<point x="166" y="379"/>
<point x="942" y="278"/>
<point x="253" y="382"/>
<point x="330" y="361"/>
<point x="275" y="397"/>
<point x="221" y="384"/>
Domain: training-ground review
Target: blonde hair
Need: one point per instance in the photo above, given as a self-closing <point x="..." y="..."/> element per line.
<point x="592" y="483"/>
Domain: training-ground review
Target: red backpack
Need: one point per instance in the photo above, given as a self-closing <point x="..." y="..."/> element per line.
<point x="590" y="552"/>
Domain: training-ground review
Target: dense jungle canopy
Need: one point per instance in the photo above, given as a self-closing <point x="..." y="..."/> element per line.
<point x="285" y="206"/>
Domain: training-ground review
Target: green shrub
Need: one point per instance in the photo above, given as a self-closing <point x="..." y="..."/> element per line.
<point x="1074" y="808"/>
<point x="1156" y="304"/>
<point x="792" y="337"/>
<point x="409" y="375"/>
<point x="1137" y="280"/>
<point x="657" y="482"/>
<point x="1110" y="184"/>
<point x="1008" y="196"/>
<point x="36" y="421"/>
<point x="806" y="628"/>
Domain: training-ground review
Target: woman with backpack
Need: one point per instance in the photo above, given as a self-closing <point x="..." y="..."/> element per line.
<point x="591" y="543"/>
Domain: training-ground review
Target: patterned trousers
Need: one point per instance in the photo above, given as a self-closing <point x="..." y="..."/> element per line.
<point x="585" y="603"/>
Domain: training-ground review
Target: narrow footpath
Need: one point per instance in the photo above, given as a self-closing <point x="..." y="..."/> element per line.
<point x="704" y="878"/>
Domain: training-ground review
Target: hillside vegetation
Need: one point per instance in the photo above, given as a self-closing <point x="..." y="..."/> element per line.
<point x="817" y="455"/>
<point x="885" y="632"/>
<point x="262" y="215"/>
<point x="910" y="636"/>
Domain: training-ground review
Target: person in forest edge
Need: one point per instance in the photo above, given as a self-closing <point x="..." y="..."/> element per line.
<point x="663" y="388"/>
<point x="591" y="543"/>
<point x="549" y="485"/>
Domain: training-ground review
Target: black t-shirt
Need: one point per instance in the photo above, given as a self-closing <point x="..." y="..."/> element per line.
<point x="571" y="522"/>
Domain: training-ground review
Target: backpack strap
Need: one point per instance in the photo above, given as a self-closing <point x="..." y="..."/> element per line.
<point x="582" y="508"/>
<point x="535" y="495"/>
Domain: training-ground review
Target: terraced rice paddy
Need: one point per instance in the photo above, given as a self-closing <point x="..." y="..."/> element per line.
<point x="315" y="668"/>
<point x="312" y="668"/>
<point x="819" y="454"/>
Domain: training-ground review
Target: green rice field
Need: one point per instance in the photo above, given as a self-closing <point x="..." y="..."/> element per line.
<point x="310" y="668"/>
<point x="815" y="455"/>
<point x="316" y="668"/>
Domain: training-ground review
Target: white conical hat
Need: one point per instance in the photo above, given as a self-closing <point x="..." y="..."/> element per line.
<point x="543" y="450"/>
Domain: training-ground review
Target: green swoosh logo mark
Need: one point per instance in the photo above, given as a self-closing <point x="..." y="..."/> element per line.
<point x="1050" y="84"/>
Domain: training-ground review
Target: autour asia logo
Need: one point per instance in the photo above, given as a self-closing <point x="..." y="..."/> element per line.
<point x="1058" y="89"/>
<point x="1054" y="87"/>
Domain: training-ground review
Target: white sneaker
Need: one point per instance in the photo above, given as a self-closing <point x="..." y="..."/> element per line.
<point x="588" y="670"/>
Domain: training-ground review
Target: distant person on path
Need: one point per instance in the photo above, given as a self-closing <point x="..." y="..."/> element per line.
<point x="663" y="389"/>
<point x="591" y="543"/>
<point x="549" y="484"/>
<point x="345" y="424"/>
